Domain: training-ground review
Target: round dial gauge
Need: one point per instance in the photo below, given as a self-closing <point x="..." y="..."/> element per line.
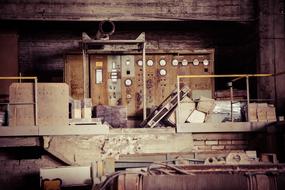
<point x="149" y="62"/>
<point x="174" y="62"/>
<point x="184" y="62"/>
<point x="162" y="62"/>
<point x="195" y="62"/>
<point x="162" y="72"/>
<point x="205" y="62"/>
<point x="128" y="82"/>
<point x="140" y="63"/>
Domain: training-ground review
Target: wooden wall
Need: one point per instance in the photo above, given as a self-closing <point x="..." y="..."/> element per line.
<point x="43" y="45"/>
<point x="8" y="58"/>
<point x="272" y="51"/>
<point x="124" y="10"/>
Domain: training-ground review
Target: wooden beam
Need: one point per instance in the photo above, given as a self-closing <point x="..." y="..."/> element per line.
<point x="148" y="10"/>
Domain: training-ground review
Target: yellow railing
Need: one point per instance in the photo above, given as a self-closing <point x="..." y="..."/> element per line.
<point x="35" y="102"/>
<point x="236" y="76"/>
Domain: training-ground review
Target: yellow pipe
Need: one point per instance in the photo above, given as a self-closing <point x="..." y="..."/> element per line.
<point x="17" y="78"/>
<point x="222" y="76"/>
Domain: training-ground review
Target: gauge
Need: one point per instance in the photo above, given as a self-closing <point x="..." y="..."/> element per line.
<point x="162" y="62"/>
<point x="162" y="72"/>
<point x="184" y="62"/>
<point x="195" y="62"/>
<point x="205" y="62"/>
<point x="140" y="63"/>
<point x="149" y="63"/>
<point x="174" y="62"/>
<point x="128" y="82"/>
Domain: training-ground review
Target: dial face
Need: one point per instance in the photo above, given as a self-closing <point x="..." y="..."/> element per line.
<point x="195" y="62"/>
<point x="149" y="62"/>
<point x="128" y="82"/>
<point x="174" y="62"/>
<point x="162" y="72"/>
<point x="162" y="62"/>
<point x="205" y="62"/>
<point x="184" y="62"/>
<point x="140" y="63"/>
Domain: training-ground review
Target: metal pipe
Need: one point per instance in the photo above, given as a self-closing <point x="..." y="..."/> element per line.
<point x="36" y="101"/>
<point x="223" y="76"/>
<point x="178" y="104"/>
<point x="236" y="79"/>
<point x="22" y="103"/>
<point x="144" y="84"/>
<point x="84" y="56"/>
<point x="247" y="95"/>
<point x="230" y="84"/>
<point x="106" y="29"/>
<point x="18" y="78"/>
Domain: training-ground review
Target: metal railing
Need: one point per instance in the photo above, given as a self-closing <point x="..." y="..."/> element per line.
<point x="35" y="101"/>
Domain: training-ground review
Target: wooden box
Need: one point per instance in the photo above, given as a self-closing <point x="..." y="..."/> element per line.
<point x="52" y="104"/>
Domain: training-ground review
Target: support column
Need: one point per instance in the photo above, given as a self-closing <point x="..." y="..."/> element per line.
<point x="272" y="52"/>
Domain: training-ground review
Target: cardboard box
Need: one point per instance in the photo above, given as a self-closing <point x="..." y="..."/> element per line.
<point x="196" y="117"/>
<point x="206" y="105"/>
<point x="261" y="112"/>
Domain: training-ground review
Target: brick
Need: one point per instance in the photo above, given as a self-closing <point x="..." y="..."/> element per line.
<point x="224" y="142"/>
<point x="220" y="136"/>
<point x="235" y="147"/>
<point x="204" y="147"/>
<point x="239" y="142"/>
<point x="211" y="142"/>
<point x="219" y="147"/>
<point x="199" y="143"/>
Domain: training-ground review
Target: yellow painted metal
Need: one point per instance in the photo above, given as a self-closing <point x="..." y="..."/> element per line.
<point x="224" y="76"/>
<point x="236" y="76"/>
<point x="18" y="78"/>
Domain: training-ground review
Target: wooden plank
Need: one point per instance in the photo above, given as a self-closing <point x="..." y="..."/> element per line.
<point x="220" y="127"/>
<point x="74" y="75"/>
<point x="9" y="59"/>
<point x="149" y="10"/>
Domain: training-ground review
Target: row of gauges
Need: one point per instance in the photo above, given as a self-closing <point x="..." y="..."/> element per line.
<point x="129" y="82"/>
<point x="175" y="62"/>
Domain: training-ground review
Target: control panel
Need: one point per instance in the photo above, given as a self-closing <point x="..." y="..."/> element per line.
<point x="118" y="79"/>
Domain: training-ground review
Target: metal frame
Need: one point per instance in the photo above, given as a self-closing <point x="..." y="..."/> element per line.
<point x="35" y="102"/>
<point x="237" y="76"/>
<point x="140" y="41"/>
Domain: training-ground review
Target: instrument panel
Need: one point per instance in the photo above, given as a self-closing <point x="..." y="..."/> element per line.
<point x="118" y="79"/>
